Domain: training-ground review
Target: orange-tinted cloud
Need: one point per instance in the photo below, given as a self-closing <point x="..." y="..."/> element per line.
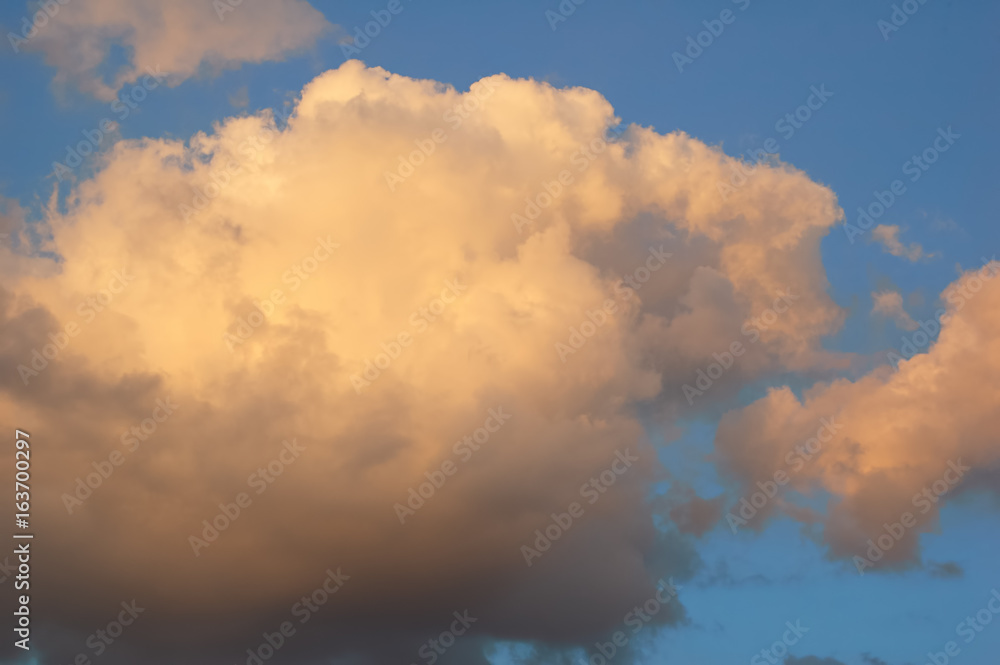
<point x="177" y="39"/>
<point x="907" y="441"/>
<point x="267" y="280"/>
<point x="890" y="304"/>
<point x="888" y="236"/>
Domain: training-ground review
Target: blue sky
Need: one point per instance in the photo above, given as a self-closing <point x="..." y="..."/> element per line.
<point x="889" y="99"/>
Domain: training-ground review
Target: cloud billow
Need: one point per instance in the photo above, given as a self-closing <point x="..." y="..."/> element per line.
<point x="319" y="177"/>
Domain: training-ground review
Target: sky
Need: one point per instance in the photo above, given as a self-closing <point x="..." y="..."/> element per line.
<point x="670" y="243"/>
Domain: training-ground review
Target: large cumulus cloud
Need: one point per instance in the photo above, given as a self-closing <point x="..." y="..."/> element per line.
<point x="186" y="239"/>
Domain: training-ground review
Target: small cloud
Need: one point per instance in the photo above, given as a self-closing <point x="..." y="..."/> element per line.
<point x="872" y="660"/>
<point x="692" y="513"/>
<point x="240" y="99"/>
<point x="947" y="569"/>
<point x="890" y="304"/>
<point x="172" y="41"/>
<point x="942" y="224"/>
<point x="888" y="236"/>
<point x="812" y="660"/>
<point x="935" y="221"/>
<point x="720" y="575"/>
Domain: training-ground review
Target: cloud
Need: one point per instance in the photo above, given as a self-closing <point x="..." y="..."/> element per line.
<point x="902" y="437"/>
<point x="872" y="660"/>
<point x="946" y="569"/>
<point x="945" y="224"/>
<point x="17" y="236"/>
<point x="240" y="98"/>
<point x="180" y="39"/>
<point x="888" y="236"/>
<point x="211" y="229"/>
<point x="690" y="512"/>
<point x="720" y="575"/>
<point x="890" y="304"/>
<point x="812" y="660"/>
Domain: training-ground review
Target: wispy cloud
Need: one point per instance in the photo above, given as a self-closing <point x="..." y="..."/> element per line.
<point x="888" y="236"/>
<point x="890" y="304"/>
